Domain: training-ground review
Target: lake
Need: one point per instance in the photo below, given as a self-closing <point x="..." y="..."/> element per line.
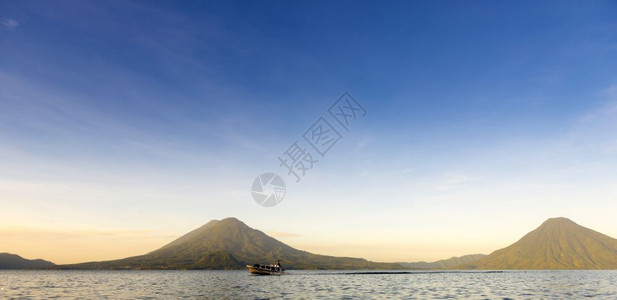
<point x="307" y="284"/>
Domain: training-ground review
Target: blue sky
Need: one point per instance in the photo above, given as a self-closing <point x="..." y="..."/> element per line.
<point x="130" y="123"/>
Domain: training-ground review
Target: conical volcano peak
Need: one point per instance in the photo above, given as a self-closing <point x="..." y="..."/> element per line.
<point x="231" y="244"/>
<point x="558" y="243"/>
<point x="231" y="221"/>
<point x="560" y="224"/>
<point x="558" y="221"/>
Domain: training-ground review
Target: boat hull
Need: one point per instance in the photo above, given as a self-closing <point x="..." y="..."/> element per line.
<point x="262" y="271"/>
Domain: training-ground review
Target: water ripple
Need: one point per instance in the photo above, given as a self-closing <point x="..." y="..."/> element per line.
<point x="308" y="284"/>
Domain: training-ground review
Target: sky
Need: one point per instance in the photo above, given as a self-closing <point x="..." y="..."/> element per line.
<point x="125" y="124"/>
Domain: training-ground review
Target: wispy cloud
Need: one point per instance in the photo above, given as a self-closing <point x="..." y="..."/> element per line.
<point x="9" y="24"/>
<point x="83" y="233"/>
<point x="453" y="181"/>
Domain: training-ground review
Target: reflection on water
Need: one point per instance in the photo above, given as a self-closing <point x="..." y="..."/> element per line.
<point x="298" y="284"/>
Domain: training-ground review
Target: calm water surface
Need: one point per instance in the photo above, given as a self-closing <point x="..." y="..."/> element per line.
<point x="307" y="284"/>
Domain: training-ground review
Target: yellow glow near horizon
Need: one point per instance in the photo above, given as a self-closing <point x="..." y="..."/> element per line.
<point x="68" y="245"/>
<point x="85" y="246"/>
<point x="75" y="246"/>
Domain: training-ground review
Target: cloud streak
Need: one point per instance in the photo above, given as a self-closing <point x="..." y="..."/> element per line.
<point x="9" y="24"/>
<point x="83" y="233"/>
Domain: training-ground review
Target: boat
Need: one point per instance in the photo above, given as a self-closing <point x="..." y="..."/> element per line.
<point x="258" y="269"/>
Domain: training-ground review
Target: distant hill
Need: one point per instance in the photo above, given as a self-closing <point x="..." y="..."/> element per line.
<point x="444" y="263"/>
<point x="230" y="244"/>
<point x="558" y="243"/>
<point x="14" y="261"/>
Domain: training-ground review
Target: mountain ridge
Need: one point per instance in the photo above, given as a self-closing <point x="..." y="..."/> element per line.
<point x="230" y="244"/>
<point x="443" y="264"/>
<point x="558" y="243"/>
<point x="14" y="261"/>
